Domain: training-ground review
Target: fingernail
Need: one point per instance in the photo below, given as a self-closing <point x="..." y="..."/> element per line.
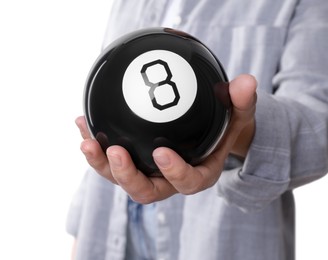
<point x="115" y="160"/>
<point x="162" y="160"/>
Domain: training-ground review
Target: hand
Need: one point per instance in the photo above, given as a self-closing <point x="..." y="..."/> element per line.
<point x="179" y="177"/>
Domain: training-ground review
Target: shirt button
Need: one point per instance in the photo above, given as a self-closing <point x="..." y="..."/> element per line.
<point x="161" y="217"/>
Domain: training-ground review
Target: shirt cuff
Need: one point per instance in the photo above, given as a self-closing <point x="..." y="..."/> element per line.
<point x="265" y="174"/>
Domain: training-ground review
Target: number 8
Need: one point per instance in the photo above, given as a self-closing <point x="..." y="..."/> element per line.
<point x="162" y="83"/>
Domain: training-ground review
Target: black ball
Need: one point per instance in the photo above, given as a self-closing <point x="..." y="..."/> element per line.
<point x="157" y="87"/>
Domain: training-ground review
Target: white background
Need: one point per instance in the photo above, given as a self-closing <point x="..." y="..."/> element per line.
<point x="46" y="50"/>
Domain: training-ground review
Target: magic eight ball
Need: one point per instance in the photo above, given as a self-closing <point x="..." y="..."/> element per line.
<point x="157" y="87"/>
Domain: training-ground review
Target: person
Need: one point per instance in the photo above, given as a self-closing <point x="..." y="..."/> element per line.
<point x="238" y="203"/>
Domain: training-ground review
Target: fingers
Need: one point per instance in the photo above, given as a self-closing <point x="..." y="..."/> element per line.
<point x="178" y="175"/>
<point x="185" y="178"/>
<point x="93" y="151"/>
<point x="243" y="92"/>
<point x="96" y="158"/>
<point x="122" y="168"/>
<point x="241" y="130"/>
<point x="117" y="166"/>
<point x="140" y="187"/>
<point x="82" y="125"/>
<point x="243" y="97"/>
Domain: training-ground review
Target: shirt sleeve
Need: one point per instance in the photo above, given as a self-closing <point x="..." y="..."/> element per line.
<point x="290" y="145"/>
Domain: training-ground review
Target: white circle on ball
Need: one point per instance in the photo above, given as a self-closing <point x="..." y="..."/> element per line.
<point x="159" y="86"/>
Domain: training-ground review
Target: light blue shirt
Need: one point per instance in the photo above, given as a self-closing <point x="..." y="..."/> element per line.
<point x="141" y="232"/>
<point x="249" y="213"/>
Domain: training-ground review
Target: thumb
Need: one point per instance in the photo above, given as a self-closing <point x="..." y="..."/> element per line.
<point x="242" y="92"/>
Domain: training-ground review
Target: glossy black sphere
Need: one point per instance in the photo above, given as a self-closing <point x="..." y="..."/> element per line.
<point x="157" y="87"/>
